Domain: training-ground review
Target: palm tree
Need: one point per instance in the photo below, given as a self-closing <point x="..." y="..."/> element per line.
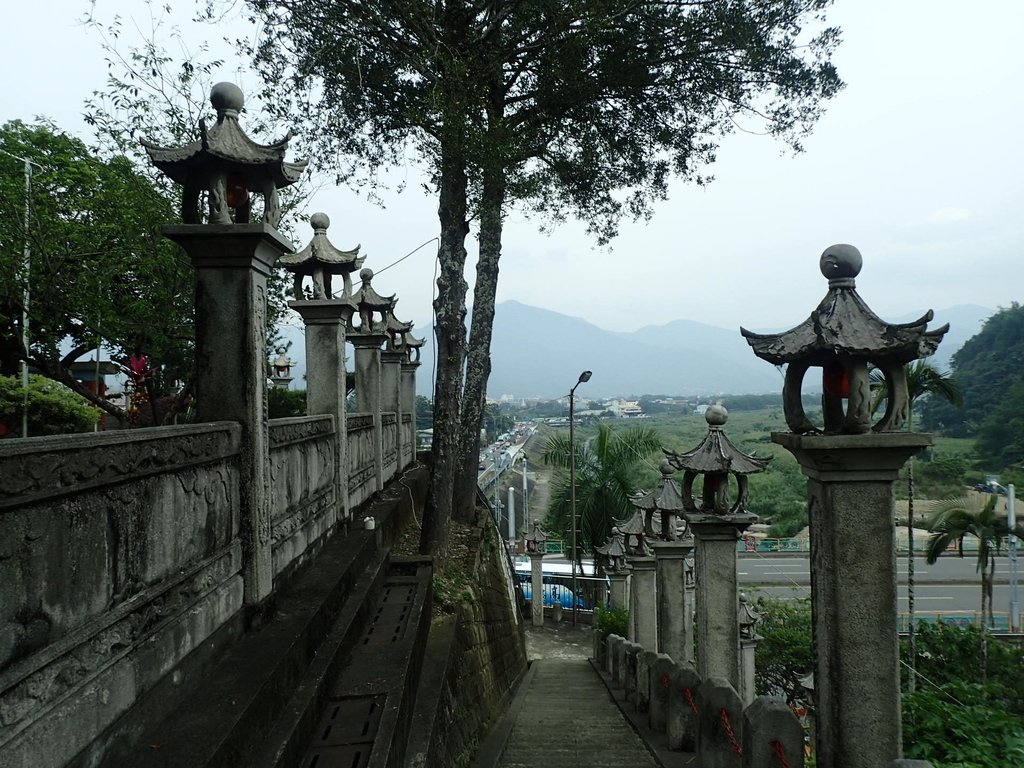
<point x="956" y="517"/>
<point x="604" y="472"/>
<point x="923" y="380"/>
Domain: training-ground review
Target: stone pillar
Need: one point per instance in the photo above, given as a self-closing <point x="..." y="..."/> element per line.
<point x="368" y="389"/>
<point x="407" y="399"/>
<point x="853" y="591"/>
<point x="325" y="379"/>
<point x="537" y="588"/>
<point x="644" y="665"/>
<point x="682" y="715"/>
<point x="391" y="395"/>
<point x="643" y="611"/>
<point x="718" y="632"/>
<point x="232" y="262"/>
<point x="620" y="589"/>
<point x="675" y="613"/>
<point x="748" y="688"/>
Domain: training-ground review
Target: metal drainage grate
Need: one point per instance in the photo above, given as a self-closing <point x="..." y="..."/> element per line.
<point x="345" y="734"/>
<point x="391" y="620"/>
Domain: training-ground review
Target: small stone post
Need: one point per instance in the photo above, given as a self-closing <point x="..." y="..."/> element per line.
<point x="720" y="732"/>
<point x="748" y="620"/>
<point x="660" y="687"/>
<point x="675" y="612"/>
<point x="232" y="258"/>
<point x="368" y="390"/>
<point x="683" y="711"/>
<point x="643" y="613"/>
<point x="644" y="664"/>
<point x="851" y="465"/>
<point x="772" y="735"/>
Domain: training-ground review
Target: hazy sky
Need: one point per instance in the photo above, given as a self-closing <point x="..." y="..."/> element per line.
<point x="918" y="162"/>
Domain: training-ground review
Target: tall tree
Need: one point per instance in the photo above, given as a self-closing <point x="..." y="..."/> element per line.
<point x="924" y="381"/>
<point x="99" y="268"/>
<point x="604" y="481"/>
<point x="586" y="108"/>
<point x="955" y="518"/>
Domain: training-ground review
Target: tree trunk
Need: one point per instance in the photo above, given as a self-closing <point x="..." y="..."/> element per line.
<point x="450" y="338"/>
<point x="478" y="357"/>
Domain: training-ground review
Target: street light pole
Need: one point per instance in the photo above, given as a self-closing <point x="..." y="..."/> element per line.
<point x="27" y="262"/>
<point x="1011" y="550"/>
<point x="585" y="376"/>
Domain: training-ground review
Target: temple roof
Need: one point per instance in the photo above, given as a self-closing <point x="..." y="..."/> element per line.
<point x="320" y="251"/>
<point x="226" y="142"/>
<point x="842" y="324"/>
<point x="716" y="453"/>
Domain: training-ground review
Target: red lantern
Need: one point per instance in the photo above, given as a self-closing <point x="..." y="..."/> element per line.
<point x="836" y="380"/>
<point x="237" y="194"/>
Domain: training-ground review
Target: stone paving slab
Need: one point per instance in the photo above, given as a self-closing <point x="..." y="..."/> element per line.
<point x="569" y="720"/>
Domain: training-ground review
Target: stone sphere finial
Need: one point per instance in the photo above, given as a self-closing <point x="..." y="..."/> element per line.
<point x="667" y="468"/>
<point x="716" y="415"/>
<point x="840" y="261"/>
<point x="366" y="274"/>
<point x="227" y="98"/>
<point x="320" y="222"/>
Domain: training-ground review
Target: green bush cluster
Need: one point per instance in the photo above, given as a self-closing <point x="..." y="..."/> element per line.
<point x="53" y="409"/>
<point x="611" y="621"/>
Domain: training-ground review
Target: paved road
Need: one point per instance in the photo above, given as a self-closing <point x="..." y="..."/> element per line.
<point x="771" y="569"/>
<point x="951" y="584"/>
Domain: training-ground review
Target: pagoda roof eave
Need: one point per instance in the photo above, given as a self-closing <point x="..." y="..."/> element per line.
<point x="842" y="324"/>
<point x="716" y="453"/>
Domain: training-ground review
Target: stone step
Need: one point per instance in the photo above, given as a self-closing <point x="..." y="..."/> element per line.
<point x="226" y="716"/>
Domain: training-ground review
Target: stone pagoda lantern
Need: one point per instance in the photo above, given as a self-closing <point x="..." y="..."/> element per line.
<point x="845" y="339"/>
<point x="232" y="258"/>
<point x="615" y="551"/>
<point x="227" y="165"/>
<point x="672" y="550"/>
<point x="321" y="260"/>
<point x="282" y="365"/>
<point x="717" y="521"/>
<point x="665" y="501"/>
<point x="643" y="604"/>
<point x="535" y="544"/>
<point x="370" y="303"/>
<point x="851" y="464"/>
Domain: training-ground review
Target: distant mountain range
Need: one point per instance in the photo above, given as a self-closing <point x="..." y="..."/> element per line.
<point x="539" y="353"/>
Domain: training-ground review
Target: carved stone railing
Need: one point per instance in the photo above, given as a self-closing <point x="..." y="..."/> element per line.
<point x="303" y="499"/>
<point x="389" y="444"/>
<point x="408" y="432"/>
<point x="119" y="554"/>
<point x="362" y="451"/>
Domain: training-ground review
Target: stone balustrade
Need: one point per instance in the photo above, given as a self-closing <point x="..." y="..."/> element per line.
<point x="707" y="716"/>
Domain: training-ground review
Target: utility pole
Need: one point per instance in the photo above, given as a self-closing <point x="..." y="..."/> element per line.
<point x="1011" y="551"/>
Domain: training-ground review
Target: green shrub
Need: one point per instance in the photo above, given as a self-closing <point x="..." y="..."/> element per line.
<point x="611" y="621"/>
<point x="53" y="409"/>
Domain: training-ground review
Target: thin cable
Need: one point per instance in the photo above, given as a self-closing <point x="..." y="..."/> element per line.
<point x="410" y="253"/>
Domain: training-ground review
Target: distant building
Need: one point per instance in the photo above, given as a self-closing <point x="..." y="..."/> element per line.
<point x="626" y="409"/>
<point x="700" y="409"/>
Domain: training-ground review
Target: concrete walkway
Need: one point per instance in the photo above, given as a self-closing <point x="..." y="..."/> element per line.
<point x="568" y="720"/>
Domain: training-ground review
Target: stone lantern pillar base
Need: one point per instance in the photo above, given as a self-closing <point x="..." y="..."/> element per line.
<point x="537" y="588"/>
<point x="325" y="323"/>
<point x="718" y="632"/>
<point x="853" y="590"/>
<point x="643" y="610"/>
<point x="620" y="588"/>
<point x="675" y="606"/>
<point x="232" y="262"/>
